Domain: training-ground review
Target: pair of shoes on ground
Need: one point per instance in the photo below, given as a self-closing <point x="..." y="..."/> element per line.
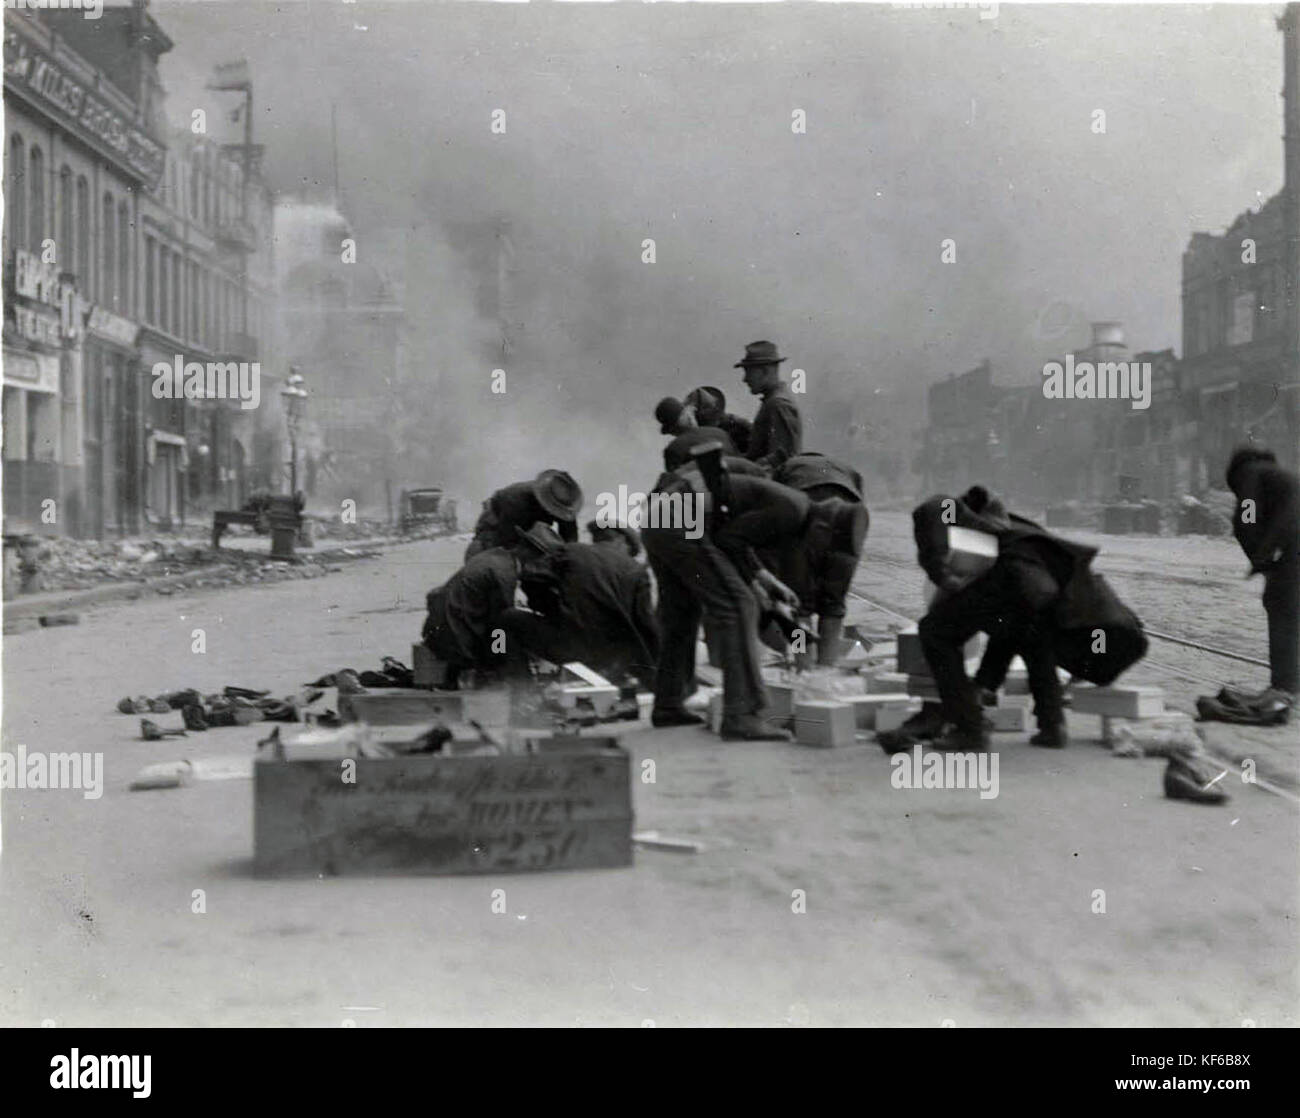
<point x="741" y="727"/>
<point x="1270" y="707"/>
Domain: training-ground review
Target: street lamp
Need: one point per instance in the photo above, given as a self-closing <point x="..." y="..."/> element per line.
<point x="295" y="402"/>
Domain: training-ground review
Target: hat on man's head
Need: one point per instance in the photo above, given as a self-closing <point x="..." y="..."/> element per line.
<point x="713" y="399"/>
<point x="759" y="353"/>
<point x="558" y="494"/>
<point x="541" y="537"/>
<point x="668" y="411"/>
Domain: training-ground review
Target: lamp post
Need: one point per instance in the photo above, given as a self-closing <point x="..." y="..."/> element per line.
<point x="295" y="401"/>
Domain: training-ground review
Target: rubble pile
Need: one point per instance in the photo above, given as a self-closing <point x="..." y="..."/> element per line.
<point x="67" y="564"/>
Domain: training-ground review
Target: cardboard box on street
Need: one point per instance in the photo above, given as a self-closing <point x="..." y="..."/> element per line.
<point x="1118" y="702"/>
<point x="1008" y="719"/>
<point x="866" y="708"/>
<point x="824" y="723"/>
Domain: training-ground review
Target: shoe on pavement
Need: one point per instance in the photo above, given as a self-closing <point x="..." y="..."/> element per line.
<point x="988" y="697"/>
<point x="194" y="717"/>
<point x="660" y="719"/>
<point x="1190" y="780"/>
<point x="348" y="682"/>
<point x="963" y="741"/>
<point x="900" y="740"/>
<point x="1051" y="737"/>
<point x="751" y="727"/>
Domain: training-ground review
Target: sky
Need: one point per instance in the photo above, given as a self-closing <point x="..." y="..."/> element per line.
<point x="674" y="122"/>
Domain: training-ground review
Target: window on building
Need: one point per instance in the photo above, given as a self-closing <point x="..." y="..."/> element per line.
<point x="206" y="189"/>
<point x="108" y="241"/>
<point x="150" y="253"/>
<point x="83" y="236"/>
<point x="36" y="174"/>
<point x="164" y="304"/>
<point x="193" y="301"/>
<point x="66" y="235"/>
<point x="16" y="194"/>
<point x="125" y="292"/>
<point x="178" y="282"/>
<point x="196" y="158"/>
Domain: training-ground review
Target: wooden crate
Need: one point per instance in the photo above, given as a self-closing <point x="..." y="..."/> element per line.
<point x="563" y="809"/>
<point x="428" y="670"/>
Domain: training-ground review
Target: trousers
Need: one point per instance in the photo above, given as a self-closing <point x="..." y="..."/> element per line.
<point x="1282" y="604"/>
<point x="1016" y="620"/>
<point x="694" y="576"/>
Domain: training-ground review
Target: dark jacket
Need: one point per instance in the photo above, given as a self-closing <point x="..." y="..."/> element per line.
<point x="813" y="471"/>
<point x="819" y="565"/>
<point x="738" y="430"/>
<point x="778" y="430"/>
<point x="515" y="506"/>
<point x="1271" y="536"/>
<point x="1055" y="580"/>
<point x="678" y="451"/>
<point x="599" y="591"/>
<point x="761" y="515"/>
<point x="464" y="610"/>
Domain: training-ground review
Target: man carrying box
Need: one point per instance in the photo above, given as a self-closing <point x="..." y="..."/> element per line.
<point x="1039" y="596"/>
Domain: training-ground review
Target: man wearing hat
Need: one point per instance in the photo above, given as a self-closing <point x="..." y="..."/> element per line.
<point x="710" y="408"/>
<point x="778" y="430"/>
<point x="465" y="614"/>
<point x="552" y="498"/>
<point x="718" y="573"/>
<point x="678" y="419"/>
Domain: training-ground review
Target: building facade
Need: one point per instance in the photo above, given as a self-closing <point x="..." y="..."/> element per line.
<point x="125" y="247"/>
<point x="80" y="151"/>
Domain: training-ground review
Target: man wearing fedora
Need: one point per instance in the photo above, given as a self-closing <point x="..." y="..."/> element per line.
<point x="552" y="498"/>
<point x="778" y="429"/>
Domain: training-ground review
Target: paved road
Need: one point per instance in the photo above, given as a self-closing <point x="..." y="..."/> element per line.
<point x="921" y="905"/>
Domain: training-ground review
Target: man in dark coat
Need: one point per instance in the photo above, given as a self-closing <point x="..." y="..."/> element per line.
<point x="1039" y="594"/>
<point x="464" y="624"/>
<point x="778" y="429"/>
<point x="821" y="570"/>
<point x="820" y="476"/>
<point x="1267" y="526"/>
<point x="591" y="603"/>
<point x="710" y="407"/>
<point x="717" y="570"/>
<point x="552" y="498"/>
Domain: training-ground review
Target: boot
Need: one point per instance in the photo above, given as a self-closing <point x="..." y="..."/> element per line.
<point x="1051" y="736"/>
<point x="957" y="740"/>
<point x="661" y="719"/>
<point x="751" y="727"/>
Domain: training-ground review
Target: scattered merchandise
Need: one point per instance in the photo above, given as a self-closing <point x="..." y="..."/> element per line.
<point x="1197" y="779"/>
